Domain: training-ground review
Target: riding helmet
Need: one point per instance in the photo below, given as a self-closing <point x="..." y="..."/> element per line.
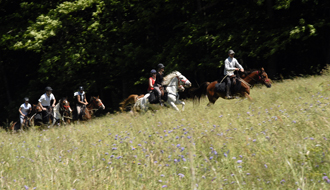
<point x="231" y="52"/>
<point x="153" y="71"/>
<point x="160" y="66"/>
<point x="48" y="88"/>
<point x="81" y="88"/>
<point x="26" y="99"/>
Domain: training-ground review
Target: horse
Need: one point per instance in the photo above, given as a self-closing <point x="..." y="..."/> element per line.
<point x="63" y="111"/>
<point x="94" y="104"/>
<point x="129" y="102"/>
<point x="248" y="80"/>
<point x="174" y="82"/>
<point x="28" y="120"/>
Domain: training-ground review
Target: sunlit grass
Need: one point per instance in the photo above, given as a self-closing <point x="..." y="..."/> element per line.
<point x="280" y="140"/>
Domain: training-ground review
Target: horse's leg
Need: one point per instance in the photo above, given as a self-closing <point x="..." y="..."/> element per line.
<point x="180" y="102"/>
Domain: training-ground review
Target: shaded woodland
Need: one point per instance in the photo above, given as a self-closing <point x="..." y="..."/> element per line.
<point x="110" y="46"/>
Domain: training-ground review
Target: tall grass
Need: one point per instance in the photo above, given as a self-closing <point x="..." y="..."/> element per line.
<point x="278" y="141"/>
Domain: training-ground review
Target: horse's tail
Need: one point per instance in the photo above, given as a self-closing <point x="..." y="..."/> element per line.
<point x="130" y="100"/>
<point x="197" y="93"/>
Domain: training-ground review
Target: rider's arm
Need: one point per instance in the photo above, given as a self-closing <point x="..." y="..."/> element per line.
<point x="20" y="111"/>
<point x="150" y="83"/>
<point x="239" y="65"/>
<point x="54" y="102"/>
<point x="86" y="100"/>
<point x="39" y="103"/>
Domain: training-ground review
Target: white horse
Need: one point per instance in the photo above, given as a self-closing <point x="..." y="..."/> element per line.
<point x="175" y="82"/>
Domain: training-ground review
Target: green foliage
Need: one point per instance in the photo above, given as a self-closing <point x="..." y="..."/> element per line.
<point x="110" y="46"/>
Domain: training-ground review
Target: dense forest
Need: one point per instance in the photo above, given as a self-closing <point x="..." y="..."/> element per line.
<point x="110" y="46"/>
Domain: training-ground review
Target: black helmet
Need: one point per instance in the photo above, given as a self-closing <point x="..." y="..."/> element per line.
<point x="26" y="99"/>
<point x="81" y="88"/>
<point x="160" y="66"/>
<point x="48" y="88"/>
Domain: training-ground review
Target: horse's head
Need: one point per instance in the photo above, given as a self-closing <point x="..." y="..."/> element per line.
<point x="263" y="78"/>
<point x="96" y="101"/>
<point x="65" y="105"/>
<point x="183" y="81"/>
<point x="36" y="108"/>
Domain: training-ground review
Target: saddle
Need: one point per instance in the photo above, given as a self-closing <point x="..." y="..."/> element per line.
<point x="153" y="98"/>
<point x="235" y="85"/>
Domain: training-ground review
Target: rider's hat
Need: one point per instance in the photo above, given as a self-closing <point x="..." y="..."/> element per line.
<point x="26" y="99"/>
<point x="81" y="88"/>
<point x="160" y="66"/>
<point x="153" y="71"/>
<point x="231" y="52"/>
<point x="48" y="88"/>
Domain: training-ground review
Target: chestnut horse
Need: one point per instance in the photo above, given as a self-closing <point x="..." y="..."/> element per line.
<point x="129" y="102"/>
<point x="248" y="80"/>
<point x="94" y="104"/>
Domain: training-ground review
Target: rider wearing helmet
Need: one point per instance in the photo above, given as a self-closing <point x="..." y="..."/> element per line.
<point x="231" y="65"/>
<point x="152" y="80"/>
<point x="24" y="110"/>
<point x="44" y="103"/>
<point x="81" y="101"/>
<point x="159" y="80"/>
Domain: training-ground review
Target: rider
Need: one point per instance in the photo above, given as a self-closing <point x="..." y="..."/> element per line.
<point x="152" y="80"/>
<point x="24" y="110"/>
<point x="159" y="80"/>
<point x="81" y="101"/>
<point x="231" y="65"/>
<point x="44" y="103"/>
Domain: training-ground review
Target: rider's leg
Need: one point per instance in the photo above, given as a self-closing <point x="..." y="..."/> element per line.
<point x="159" y="95"/>
<point x="228" y="85"/>
<point x="45" y="115"/>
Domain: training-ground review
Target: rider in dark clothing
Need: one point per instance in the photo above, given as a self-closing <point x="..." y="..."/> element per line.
<point x="159" y="80"/>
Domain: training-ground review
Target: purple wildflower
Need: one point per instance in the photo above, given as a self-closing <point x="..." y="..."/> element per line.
<point x="26" y="187"/>
<point x="164" y="186"/>
<point x="181" y="175"/>
<point x="266" y="166"/>
<point x="239" y="161"/>
<point x="225" y="154"/>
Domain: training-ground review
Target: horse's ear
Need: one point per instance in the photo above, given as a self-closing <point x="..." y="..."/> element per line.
<point x="98" y="97"/>
<point x="262" y="69"/>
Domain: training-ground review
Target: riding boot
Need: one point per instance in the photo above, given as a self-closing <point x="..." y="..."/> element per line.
<point x="228" y="92"/>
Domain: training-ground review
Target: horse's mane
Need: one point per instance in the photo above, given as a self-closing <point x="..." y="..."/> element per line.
<point x="169" y="77"/>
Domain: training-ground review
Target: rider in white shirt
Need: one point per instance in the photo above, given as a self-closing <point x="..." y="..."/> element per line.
<point x="24" y="110"/>
<point x="44" y="103"/>
<point x="231" y="65"/>
<point x="81" y="102"/>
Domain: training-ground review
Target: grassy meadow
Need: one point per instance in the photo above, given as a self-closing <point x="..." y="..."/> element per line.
<point x="278" y="141"/>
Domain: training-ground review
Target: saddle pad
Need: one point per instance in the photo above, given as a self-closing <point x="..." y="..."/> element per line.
<point x="220" y="87"/>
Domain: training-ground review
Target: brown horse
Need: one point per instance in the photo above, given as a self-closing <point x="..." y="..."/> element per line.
<point x="94" y="104"/>
<point x="29" y="120"/>
<point x="248" y="80"/>
<point x="129" y="102"/>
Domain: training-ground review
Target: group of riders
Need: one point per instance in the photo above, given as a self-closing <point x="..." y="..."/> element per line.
<point x="231" y="65"/>
<point x="155" y="85"/>
<point x="47" y="102"/>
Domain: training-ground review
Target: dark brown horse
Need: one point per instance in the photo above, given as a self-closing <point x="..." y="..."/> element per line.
<point x="94" y="104"/>
<point x="249" y="79"/>
<point x="129" y="102"/>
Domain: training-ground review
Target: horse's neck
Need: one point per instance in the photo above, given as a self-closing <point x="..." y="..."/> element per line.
<point x="172" y="86"/>
<point x="252" y="78"/>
